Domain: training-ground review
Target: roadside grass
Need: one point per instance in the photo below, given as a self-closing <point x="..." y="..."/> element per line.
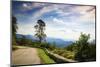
<point x="65" y="53"/>
<point x="45" y="59"/>
<point x="14" y="47"/>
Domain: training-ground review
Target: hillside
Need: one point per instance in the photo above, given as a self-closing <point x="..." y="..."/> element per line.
<point x="58" y="42"/>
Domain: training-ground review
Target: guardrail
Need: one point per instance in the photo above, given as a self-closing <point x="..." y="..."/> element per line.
<point x="57" y="58"/>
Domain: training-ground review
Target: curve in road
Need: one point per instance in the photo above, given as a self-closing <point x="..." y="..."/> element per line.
<point x="25" y="56"/>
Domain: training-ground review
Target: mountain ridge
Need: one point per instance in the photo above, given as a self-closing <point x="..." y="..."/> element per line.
<point x="58" y="42"/>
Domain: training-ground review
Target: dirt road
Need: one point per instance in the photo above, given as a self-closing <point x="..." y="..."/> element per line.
<point x="25" y="56"/>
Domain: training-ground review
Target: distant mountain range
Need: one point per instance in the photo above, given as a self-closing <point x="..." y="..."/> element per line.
<point x="59" y="42"/>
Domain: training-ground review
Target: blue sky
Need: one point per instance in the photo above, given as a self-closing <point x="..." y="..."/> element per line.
<point x="63" y="21"/>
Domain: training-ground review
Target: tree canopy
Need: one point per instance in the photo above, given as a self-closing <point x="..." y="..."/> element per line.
<point x="14" y="29"/>
<point x="14" y="25"/>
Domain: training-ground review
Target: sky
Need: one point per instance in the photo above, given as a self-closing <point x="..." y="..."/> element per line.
<point x="64" y="21"/>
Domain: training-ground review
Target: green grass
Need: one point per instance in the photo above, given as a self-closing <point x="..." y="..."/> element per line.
<point x="14" y="48"/>
<point x="45" y="59"/>
<point x="64" y="53"/>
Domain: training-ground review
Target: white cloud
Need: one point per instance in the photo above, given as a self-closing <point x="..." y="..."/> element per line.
<point x="26" y="29"/>
<point x="65" y="34"/>
<point x="29" y="6"/>
<point x="88" y="12"/>
<point x="59" y="21"/>
<point x="62" y="28"/>
<point x="25" y="5"/>
<point x="74" y="28"/>
<point x="45" y="9"/>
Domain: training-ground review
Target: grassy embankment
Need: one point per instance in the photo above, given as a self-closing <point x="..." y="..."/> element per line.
<point x="45" y="59"/>
<point x="64" y="53"/>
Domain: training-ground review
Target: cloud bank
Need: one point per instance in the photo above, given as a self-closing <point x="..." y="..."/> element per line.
<point x="63" y="21"/>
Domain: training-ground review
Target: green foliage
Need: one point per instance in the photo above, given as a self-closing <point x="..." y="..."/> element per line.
<point x="24" y="42"/>
<point x="14" y="47"/>
<point x="13" y="41"/>
<point x="14" y="30"/>
<point x="51" y="47"/>
<point x="80" y="50"/>
<point x="92" y="51"/>
<point x="64" y="53"/>
<point x="83" y="50"/>
<point x="27" y="42"/>
<point x="45" y="58"/>
<point x="14" y="25"/>
<point x="72" y="47"/>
